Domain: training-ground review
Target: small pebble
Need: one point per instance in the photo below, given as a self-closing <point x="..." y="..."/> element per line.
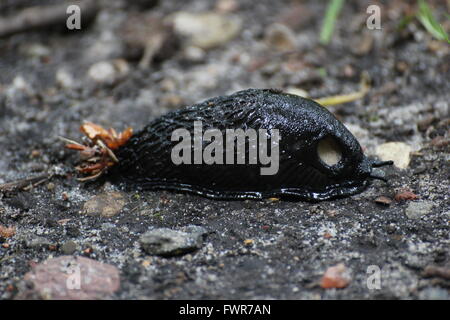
<point x="416" y="210"/>
<point x="35" y="154"/>
<point x="106" y="205"/>
<point x="108" y="71"/>
<point x="36" y="242"/>
<point x="69" y="247"/>
<point x="398" y="152"/>
<point x="194" y="54"/>
<point x="206" y="30"/>
<point x="363" y="44"/>
<point x="436" y="271"/>
<point x="280" y="37"/>
<point x="226" y="6"/>
<point x="336" y="277"/>
<point x="36" y="50"/>
<point x="383" y="200"/>
<point x="434" y="294"/>
<point x="70" y="278"/>
<point x="168" y="242"/>
<point x="64" y="78"/>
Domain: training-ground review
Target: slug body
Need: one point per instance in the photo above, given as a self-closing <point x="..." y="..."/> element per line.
<point x="318" y="158"/>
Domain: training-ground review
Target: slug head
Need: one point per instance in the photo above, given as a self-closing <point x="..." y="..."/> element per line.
<point x="337" y="154"/>
<point x="321" y="141"/>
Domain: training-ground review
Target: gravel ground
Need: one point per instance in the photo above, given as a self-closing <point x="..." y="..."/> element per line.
<point x="53" y="79"/>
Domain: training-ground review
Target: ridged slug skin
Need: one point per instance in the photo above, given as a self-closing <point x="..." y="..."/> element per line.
<point x="305" y="128"/>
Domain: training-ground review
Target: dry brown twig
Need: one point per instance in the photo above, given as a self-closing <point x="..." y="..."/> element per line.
<point x="43" y="16"/>
<point x="24" y="184"/>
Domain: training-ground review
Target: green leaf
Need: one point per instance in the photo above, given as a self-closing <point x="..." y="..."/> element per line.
<point x="333" y="9"/>
<point x="427" y="19"/>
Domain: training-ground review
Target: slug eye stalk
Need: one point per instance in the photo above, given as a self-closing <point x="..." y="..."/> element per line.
<point x="378" y="174"/>
<point x="377" y="164"/>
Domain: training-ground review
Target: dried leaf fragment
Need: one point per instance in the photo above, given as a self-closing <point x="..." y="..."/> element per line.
<point x="7" y="232"/>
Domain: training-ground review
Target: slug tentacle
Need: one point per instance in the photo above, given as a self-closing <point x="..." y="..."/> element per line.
<point x="377" y="164"/>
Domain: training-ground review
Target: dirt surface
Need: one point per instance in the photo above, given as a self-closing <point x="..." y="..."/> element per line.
<point x="251" y="249"/>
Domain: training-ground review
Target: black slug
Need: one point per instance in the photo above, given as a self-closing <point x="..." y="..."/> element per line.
<point x="288" y="147"/>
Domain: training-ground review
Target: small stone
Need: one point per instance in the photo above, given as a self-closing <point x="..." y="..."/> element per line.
<point x="64" y="78"/>
<point x="434" y="294"/>
<point x="336" y="277"/>
<point x="106" y="205"/>
<point x="440" y="142"/>
<point x="227" y="6"/>
<point x="327" y="235"/>
<point x="331" y="213"/>
<point x="280" y="37"/>
<point x="70" y="278"/>
<point x="168" y="85"/>
<point x="349" y="71"/>
<point x="435" y="271"/>
<point x="36" y="51"/>
<point x="425" y="122"/>
<point x="63" y="221"/>
<point x="248" y="242"/>
<point x="415" y="210"/>
<point x="383" y="200"/>
<point x="108" y="226"/>
<point x="398" y="152"/>
<point x="146" y="263"/>
<point x="69" y="247"/>
<point x="401" y="66"/>
<point x="108" y="71"/>
<point x="102" y="71"/>
<point x="20" y="84"/>
<point x="194" y="54"/>
<point x="296" y="16"/>
<point x="361" y="45"/>
<point x="194" y="230"/>
<point x="35" y="154"/>
<point x="36" y="242"/>
<point x="168" y="242"/>
<point x="206" y="30"/>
